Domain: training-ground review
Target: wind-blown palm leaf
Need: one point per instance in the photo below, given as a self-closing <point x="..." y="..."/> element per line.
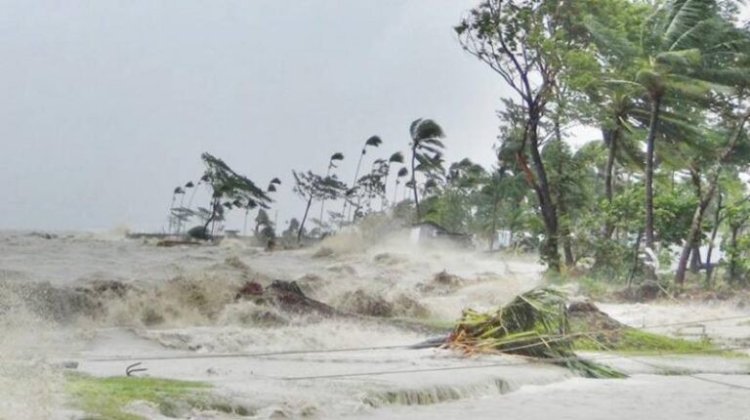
<point x="337" y="156"/>
<point x="425" y="129"/>
<point x="681" y="17"/>
<point x="374" y="141"/>
<point x="397" y="157"/>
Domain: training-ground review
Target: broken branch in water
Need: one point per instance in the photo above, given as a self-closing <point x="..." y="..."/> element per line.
<point x="131" y="369"/>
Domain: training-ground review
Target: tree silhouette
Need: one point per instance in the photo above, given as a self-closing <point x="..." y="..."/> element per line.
<point x="426" y="152"/>
<point x="311" y="186"/>
<point x="228" y="187"/>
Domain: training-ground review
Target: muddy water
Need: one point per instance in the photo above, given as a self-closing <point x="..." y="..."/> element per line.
<point x="105" y="302"/>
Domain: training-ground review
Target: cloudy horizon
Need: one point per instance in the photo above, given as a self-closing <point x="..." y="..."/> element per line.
<point x="109" y="105"/>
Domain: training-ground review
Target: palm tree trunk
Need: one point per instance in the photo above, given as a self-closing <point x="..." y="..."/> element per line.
<point x="695" y="254"/>
<point x="693" y="235"/>
<point x="215" y="202"/>
<point x="323" y="201"/>
<point x="611" y="139"/>
<point x="614" y="138"/>
<point x="714" y="232"/>
<point x="356" y="174"/>
<point x="414" y="182"/>
<point x="304" y="218"/>
<point x="170" y="218"/>
<point x="495" y="202"/>
<point x="733" y="253"/>
<point x="695" y="225"/>
<point x="634" y="268"/>
<point x="565" y="233"/>
<point x="650" y="141"/>
<point x="384" y="196"/>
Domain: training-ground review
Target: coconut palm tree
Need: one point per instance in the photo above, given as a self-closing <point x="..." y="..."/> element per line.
<point x="373" y="141"/>
<point x="397" y="157"/>
<point x="401" y="173"/>
<point x="311" y="186"/>
<point x="426" y="150"/>
<point x="336" y="157"/>
<point x="668" y="66"/>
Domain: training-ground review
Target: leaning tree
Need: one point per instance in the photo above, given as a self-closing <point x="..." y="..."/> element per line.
<point x="229" y="190"/>
<point x="426" y="152"/>
<point x="311" y="187"/>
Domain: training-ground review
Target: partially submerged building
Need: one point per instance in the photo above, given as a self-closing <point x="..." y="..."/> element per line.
<point x="431" y="232"/>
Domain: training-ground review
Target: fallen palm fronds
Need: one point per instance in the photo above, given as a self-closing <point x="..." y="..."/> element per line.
<point x="534" y="324"/>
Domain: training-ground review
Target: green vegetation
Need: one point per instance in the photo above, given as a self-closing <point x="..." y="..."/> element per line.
<point x="664" y="85"/>
<point x="533" y="324"/>
<point x="540" y="324"/>
<point x="631" y="340"/>
<point x="107" y="398"/>
<point x="668" y="78"/>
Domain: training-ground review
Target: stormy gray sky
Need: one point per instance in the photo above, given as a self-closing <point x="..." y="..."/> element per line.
<point x="107" y="105"/>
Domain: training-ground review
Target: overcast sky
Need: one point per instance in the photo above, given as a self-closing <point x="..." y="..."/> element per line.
<point x="107" y="105"/>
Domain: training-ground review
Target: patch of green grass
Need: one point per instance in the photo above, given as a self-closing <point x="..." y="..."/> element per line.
<point x="107" y="398"/>
<point x="630" y="340"/>
<point x="635" y="340"/>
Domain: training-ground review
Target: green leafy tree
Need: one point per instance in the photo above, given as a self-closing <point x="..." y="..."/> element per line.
<point x="523" y="41"/>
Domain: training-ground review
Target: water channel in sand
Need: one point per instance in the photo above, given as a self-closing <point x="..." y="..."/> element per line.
<point x="105" y="302"/>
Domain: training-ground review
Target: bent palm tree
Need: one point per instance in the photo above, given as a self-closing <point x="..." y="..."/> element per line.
<point x="331" y="165"/>
<point x="668" y="67"/>
<point x="426" y="149"/>
<point x="373" y="141"/>
<point x="397" y="157"/>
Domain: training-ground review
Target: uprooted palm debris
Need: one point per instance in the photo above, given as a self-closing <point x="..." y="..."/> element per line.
<point x="534" y="324"/>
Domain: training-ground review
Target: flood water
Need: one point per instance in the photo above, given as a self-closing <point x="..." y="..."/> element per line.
<point x="105" y="302"/>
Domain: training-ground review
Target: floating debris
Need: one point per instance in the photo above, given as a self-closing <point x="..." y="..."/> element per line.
<point x="534" y="324"/>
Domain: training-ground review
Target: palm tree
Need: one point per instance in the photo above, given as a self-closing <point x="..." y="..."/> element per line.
<point x="272" y="185"/>
<point x="336" y="157"/>
<point x="677" y="39"/>
<point x="173" y="221"/>
<point x="249" y="206"/>
<point x="373" y="141"/>
<point x="401" y="173"/>
<point x="426" y="149"/>
<point x="397" y="157"/>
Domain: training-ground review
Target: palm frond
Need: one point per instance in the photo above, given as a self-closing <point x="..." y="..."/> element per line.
<point x="397" y="157"/>
<point x="681" y="17"/>
<point x="423" y="129"/>
<point x="373" y="141"/>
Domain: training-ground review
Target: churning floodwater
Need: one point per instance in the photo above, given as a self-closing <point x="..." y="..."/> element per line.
<point x="105" y="302"/>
